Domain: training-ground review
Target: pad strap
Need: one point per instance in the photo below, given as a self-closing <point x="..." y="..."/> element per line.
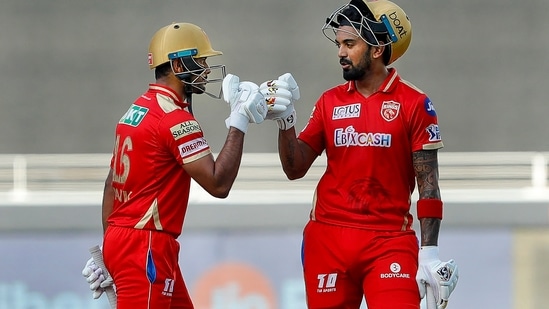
<point x="429" y="208"/>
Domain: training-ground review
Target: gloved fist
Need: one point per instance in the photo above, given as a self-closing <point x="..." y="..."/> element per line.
<point x="441" y="277"/>
<point x="247" y="104"/>
<point x="280" y="95"/>
<point x="95" y="278"/>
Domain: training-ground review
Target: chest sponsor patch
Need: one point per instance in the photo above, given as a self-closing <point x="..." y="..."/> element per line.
<point x="134" y="115"/>
<point x="193" y="147"/>
<point x="434" y="133"/>
<point x="349" y="137"/>
<point x="185" y="128"/>
<point x="390" y="110"/>
<point x="347" y="111"/>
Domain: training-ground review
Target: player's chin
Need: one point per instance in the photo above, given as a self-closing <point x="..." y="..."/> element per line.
<point x="347" y="76"/>
<point x="199" y="89"/>
<point x="350" y="75"/>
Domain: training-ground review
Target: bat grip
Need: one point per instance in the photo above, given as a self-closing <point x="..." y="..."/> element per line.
<point x="97" y="256"/>
<point x="430" y="298"/>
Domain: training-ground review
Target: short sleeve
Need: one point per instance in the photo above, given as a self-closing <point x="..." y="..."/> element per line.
<point x="425" y="131"/>
<point x="184" y="138"/>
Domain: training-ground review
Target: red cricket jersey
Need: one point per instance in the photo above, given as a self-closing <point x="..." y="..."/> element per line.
<point x="154" y="138"/>
<point x="369" y="143"/>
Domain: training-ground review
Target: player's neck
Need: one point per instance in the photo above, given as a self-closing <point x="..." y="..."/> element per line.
<point x="172" y="82"/>
<point x="371" y="81"/>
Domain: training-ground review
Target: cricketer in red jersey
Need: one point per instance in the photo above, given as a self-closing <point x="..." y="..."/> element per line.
<point x="157" y="136"/>
<point x="369" y="143"/>
<point x="159" y="147"/>
<point x="380" y="135"/>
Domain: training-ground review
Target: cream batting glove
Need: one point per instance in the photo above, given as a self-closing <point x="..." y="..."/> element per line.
<point x="280" y="95"/>
<point x="432" y="273"/>
<point x="246" y="103"/>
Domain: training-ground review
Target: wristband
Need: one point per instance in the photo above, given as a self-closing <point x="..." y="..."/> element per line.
<point x="238" y="121"/>
<point x="288" y="121"/>
<point x="429" y="208"/>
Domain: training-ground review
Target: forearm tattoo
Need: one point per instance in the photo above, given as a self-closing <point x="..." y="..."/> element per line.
<point x="430" y="228"/>
<point x="426" y="169"/>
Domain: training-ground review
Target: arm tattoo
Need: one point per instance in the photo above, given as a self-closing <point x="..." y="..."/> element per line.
<point x="426" y="169"/>
<point x="430" y="228"/>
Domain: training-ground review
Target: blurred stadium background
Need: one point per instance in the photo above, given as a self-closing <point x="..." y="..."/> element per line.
<point x="71" y="68"/>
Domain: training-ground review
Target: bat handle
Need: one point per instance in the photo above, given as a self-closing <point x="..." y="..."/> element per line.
<point x="97" y="256"/>
<point x="430" y="298"/>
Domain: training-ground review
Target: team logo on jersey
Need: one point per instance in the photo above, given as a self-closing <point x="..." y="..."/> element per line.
<point x="389" y="110"/>
<point x="185" y="128"/>
<point x="434" y="133"/>
<point x="134" y="115"/>
<point x="429" y="107"/>
<point x="347" y="111"/>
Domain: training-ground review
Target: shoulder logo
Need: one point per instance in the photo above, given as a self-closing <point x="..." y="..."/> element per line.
<point x="390" y="110"/>
<point x="193" y="147"/>
<point x="134" y="115"/>
<point x="429" y="107"/>
<point x="185" y="128"/>
<point x="434" y="133"/>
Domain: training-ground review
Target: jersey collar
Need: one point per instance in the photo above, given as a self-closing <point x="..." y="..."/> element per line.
<point x="156" y="88"/>
<point x="388" y="84"/>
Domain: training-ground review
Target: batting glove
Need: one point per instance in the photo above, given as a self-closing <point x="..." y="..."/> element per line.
<point x="441" y="277"/>
<point x="94" y="277"/>
<point x="280" y="95"/>
<point x="247" y="104"/>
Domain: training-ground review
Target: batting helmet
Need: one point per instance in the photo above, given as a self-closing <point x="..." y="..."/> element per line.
<point x="179" y="40"/>
<point x="188" y="43"/>
<point x="378" y="23"/>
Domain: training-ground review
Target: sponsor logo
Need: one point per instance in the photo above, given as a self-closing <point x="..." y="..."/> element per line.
<point x="389" y="110"/>
<point x="347" y="111"/>
<point x="348" y="137"/>
<point x="445" y="273"/>
<point x="398" y="24"/>
<point x="150" y="58"/>
<point x="184" y="129"/>
<point x="429" y="107"/>
<point x="192" y="147"/>
<point x="434" y="132"/>
<point x="326" y="283"/>
<point x="395" y="272"/>
<point x="134" y="115"/>
<point x="168" y="287"/>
